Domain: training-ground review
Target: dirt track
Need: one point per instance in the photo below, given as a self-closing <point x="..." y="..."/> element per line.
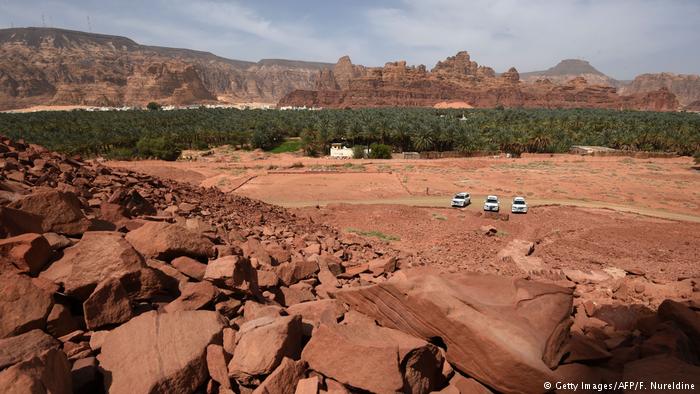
<point x="666" y="188"/>
<point x="586" y="212"/>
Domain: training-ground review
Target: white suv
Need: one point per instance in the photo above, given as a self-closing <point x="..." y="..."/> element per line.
<point x="491" y="204"/>
<point x="461" y="200"/>
<point x="519" y="205"/>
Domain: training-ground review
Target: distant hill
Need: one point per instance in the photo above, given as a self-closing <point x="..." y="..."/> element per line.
<point x="569" y="69"/>
<point x="685" y="86"/>
<point x="48" y="66"/>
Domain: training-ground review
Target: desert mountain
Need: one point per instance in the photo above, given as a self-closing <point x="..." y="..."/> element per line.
<point x="569" y="69"/>
<point x="56" y="66"/>
<point x="685" y="86"/>
<point x="47" y="66"/>
<point x="460" y="79"/>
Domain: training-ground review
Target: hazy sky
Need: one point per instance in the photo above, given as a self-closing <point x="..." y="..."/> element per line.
<point x="622" y="38"/>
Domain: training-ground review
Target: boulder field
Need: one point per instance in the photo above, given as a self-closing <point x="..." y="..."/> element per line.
<point x="118" y="282"/>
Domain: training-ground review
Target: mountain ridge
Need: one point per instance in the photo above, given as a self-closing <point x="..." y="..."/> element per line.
<point x="52" y="66"/>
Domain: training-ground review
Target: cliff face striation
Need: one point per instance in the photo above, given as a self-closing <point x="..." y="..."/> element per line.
<point x="458" y="78"/>
<point x="685" y="86"/>
<point x="46" y="66"/>
<point x="43" y="66"/>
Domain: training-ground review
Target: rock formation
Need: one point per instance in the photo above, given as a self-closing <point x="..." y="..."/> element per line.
<point x="43" y="66"/>
<point x="459" y="79"/>
<point x="568" y="69"/>
<point x="176" y="288"/>
<point x="685" y="87"/>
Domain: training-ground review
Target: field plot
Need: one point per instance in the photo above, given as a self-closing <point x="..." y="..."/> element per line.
<point x="667" y="187"/>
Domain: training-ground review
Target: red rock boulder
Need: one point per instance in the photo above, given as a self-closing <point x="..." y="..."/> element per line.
<point x="361" y="354"/>
<point x="493" y="326"/>
<point x="23" y="306"/>
<point x="164" y="353"/>
<point x="165" y="241"/>
<point x="261" y="344"/>
<point x="98" y="256"/>
<point x="29" y="252"/>
<point x="60" y="211"/>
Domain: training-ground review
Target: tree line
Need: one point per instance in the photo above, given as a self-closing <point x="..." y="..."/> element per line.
<point x="163" y="134"/>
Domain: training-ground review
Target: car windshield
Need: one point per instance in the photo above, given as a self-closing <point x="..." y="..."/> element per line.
<point x="518" y="202"/>
<point x="492" y="199"/>
<point x="459" y="197"/>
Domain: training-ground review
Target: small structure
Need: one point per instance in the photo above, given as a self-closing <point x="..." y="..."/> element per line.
<point x="411" y="155"/>
<point x="590" y="150"/>
<point x="341" y="151"/>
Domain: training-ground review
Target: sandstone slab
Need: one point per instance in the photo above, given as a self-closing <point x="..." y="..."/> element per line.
<point x="107" y="305"/>
<point x="98" y="256"/>
<point x="165" y="241"/>
<point x="360" y="354"/>
<point x="23" y="306"/>
<point x="60" y="211"/>
<point x="28" y="252"/>
<point x="159" y="352"/>
<point x="261" y="344"/>
<point x="493" y="326"/>
<point x="24" y="346"/>
<point x="48" y="372"/>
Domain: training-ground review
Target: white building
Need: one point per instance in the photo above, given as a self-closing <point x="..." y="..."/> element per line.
<point x="340" y="151"/>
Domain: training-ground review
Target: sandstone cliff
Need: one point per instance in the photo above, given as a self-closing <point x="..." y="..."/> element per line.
<point x="458" y="78"/>
<point x="685" y="87"/>
<point x="41" y="66"/>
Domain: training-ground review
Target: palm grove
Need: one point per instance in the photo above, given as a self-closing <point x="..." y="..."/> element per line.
<point x="163" y="134"/>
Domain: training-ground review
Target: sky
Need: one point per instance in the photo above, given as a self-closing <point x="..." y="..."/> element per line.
<point x="621" y="38"/>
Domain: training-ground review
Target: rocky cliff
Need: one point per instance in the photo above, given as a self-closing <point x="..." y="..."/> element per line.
<point x="458" y="78"/>
<point x="685" y="87"/>
<point x="41" y="66"/>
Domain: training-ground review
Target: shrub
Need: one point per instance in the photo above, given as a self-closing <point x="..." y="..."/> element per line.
<point x="157" y="147"/>
<point x="120" y="154"/>
<point x="359" y="151"/>
<point x="263" y="139"/>
<point x="379" y="151"/>
<point x="153" y="106"/>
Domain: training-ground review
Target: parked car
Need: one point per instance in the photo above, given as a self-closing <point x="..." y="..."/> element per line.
<point x="461" y="200"/>
<point x="491" y="204"/>
<point x="519" y="205"/>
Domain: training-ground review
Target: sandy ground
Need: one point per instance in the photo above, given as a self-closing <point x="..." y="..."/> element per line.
<point x="667" y="188"/>
<point x="565" y="237"/>
<point x="640" y="215"/>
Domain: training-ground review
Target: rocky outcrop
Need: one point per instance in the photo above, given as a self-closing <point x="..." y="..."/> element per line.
<point x="520" y="332"/>
<point x="459" y="79"/>
<point x="43" y="66"/>
<point x="686" y="87"/>
<point x="273" y="302"/>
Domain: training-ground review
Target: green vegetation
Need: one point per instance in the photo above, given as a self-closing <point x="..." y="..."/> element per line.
<point x="374" y="233"/>
<point x="379" y="151"/>
<point x="359" y="152"/>
<point x="145" y="133"/>
<point x="153" y="106"/>
<point x="287" y="147"/>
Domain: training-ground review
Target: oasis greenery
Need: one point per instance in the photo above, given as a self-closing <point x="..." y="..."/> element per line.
<point x="163" y="134"/>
